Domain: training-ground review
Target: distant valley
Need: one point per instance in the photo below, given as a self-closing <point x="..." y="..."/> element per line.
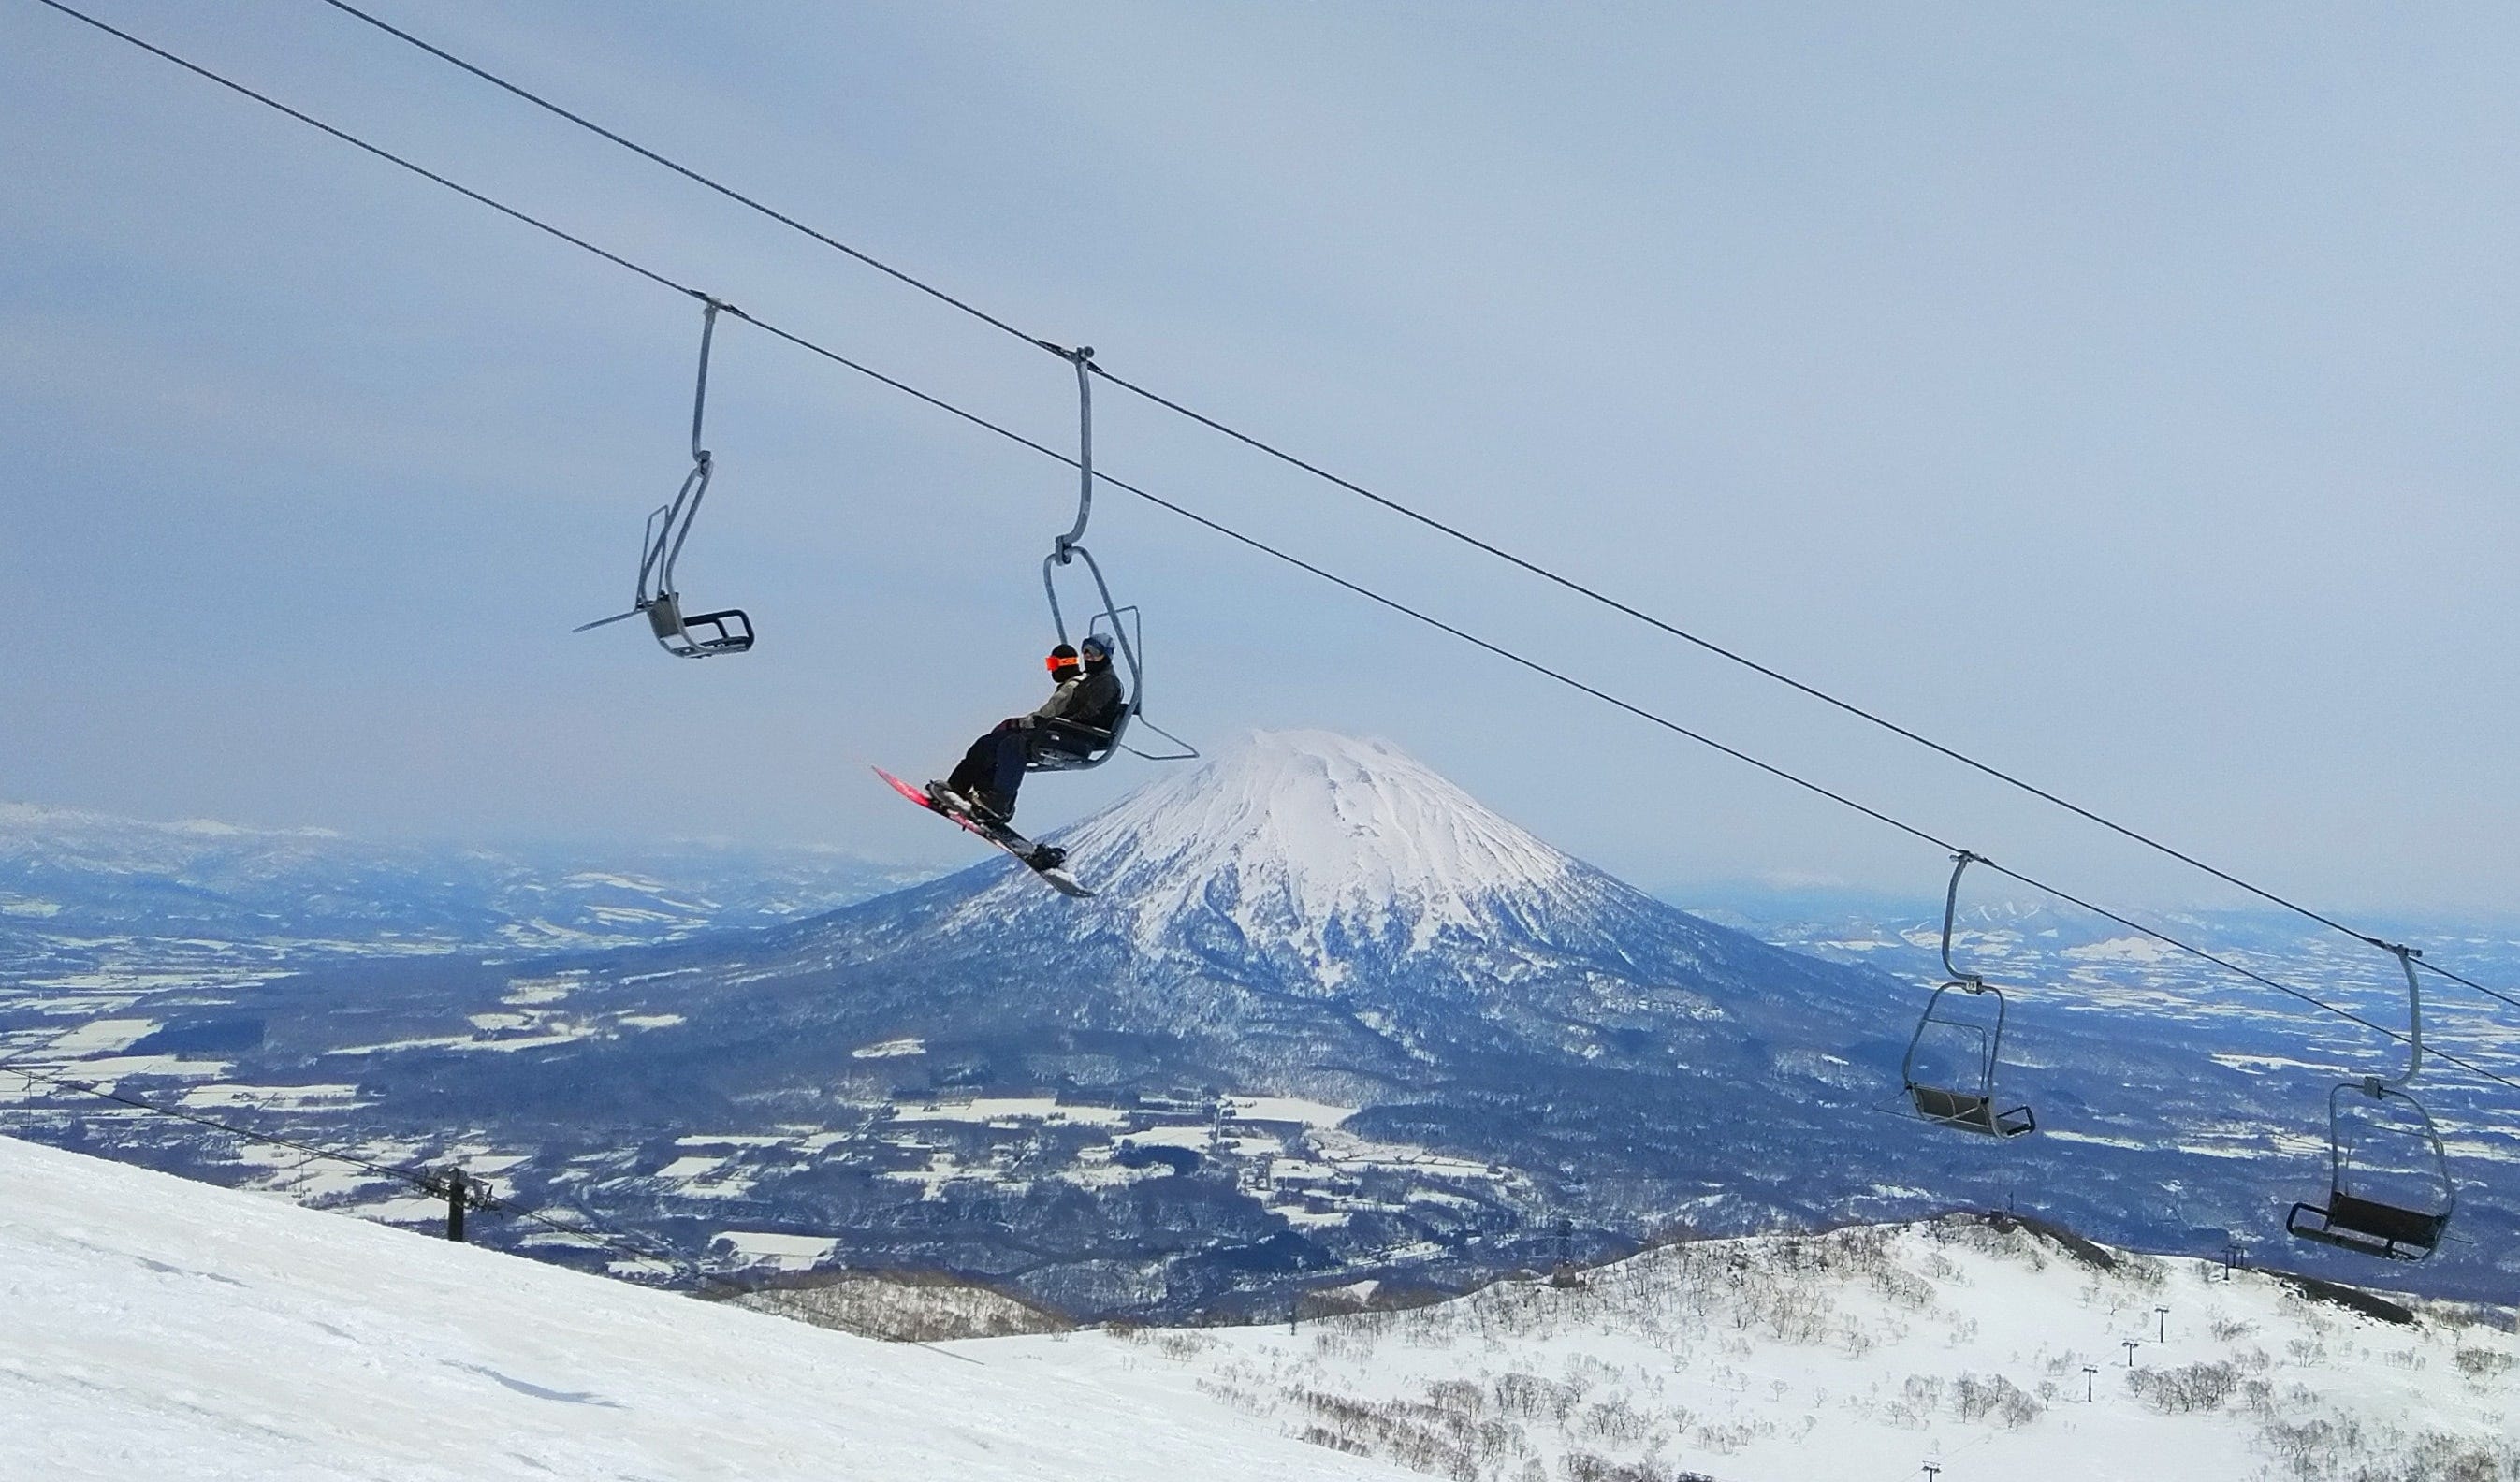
<point x="97" y="911"/>
<point x="1330" y="1021"/>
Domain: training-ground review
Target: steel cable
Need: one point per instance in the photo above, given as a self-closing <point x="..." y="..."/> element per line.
<point x="1253" y="543"/>
<point x="1429" y="521"/>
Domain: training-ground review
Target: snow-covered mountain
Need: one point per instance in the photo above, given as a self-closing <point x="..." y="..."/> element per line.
<point x="1309" y="849"/>
<point x="1342" y="882"/>
<point x="158" y="1329"/>
<point x="1329" y="1019"/>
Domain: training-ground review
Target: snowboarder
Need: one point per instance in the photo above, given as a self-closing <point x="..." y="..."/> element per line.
<point x="1076" y="720"/>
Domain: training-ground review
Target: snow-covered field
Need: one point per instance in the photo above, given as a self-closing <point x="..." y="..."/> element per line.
<point x="1860" y="1356"/>
<point x="150" y="1327"/>
<point x="154" y="1329"/>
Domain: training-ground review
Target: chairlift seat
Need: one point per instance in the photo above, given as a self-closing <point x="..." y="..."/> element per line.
<point x="1076" y="746"/>
<point x="1969" y="1112"/>
<point x="2370" y="1225"/>
<point x="1061" y="758"/>
<point x="726" y="632"/>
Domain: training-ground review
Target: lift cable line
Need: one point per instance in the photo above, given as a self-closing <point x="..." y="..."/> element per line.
<point x="1429" y="521"/>
<point x="1392" y="603"/>
<point x="689" y="174"/>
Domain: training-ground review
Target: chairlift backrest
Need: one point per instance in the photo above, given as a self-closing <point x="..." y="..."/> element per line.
<point x="1970" y="1113"/>
<point x="2412" y="1229"/>
<point x="1133" y="679"/>
<point x="1969" y="1105"/>
<point x="1950" y="1105"/>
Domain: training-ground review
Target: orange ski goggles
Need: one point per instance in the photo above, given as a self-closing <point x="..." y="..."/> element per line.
<point x="1059" y="661"/>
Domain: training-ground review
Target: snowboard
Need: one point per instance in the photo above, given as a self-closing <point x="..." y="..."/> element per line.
<point x="997" y="834"/>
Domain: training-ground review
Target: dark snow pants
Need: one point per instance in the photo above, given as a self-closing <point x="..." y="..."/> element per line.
<point x="994" y="763"/>
<point x="997" y="760"/>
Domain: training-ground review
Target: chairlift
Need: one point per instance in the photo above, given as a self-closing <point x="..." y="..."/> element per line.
<point x="1115" y="624"/>
<point x="692" y="635"/>
<point x="1962" y="1101"/>
<point x="2393" y="1206"/>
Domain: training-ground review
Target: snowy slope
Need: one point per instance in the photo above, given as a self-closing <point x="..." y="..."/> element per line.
<point x="1859" y="1355"/>
<point x="150" y="1327"/>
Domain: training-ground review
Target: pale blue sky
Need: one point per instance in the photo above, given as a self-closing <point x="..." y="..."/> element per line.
<point x="2122" y="392"/>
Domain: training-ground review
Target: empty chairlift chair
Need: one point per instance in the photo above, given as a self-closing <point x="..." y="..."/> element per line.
<point x="685" y="635"/>
<point x="2390" y="1192"/>
<point x="1952" y="1058"/>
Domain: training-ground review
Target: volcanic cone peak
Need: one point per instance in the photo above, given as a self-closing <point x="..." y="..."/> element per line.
<point x="1313" y="842"/>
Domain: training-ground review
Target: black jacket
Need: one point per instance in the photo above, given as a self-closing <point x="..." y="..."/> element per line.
<point x="1093" y="701"/>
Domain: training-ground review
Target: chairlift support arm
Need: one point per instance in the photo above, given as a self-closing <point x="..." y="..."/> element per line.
<point x="686" y="506"/>
<point x="2405" y="957"/>
<point x="699" y="390"/>
<point x="1082" y="357"/>
<point x="1951" y="908"/>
